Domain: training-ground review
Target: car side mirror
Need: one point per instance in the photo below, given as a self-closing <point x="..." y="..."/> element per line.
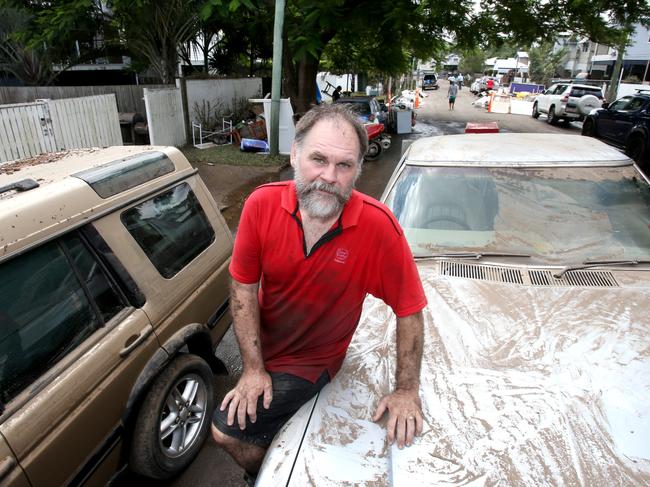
<point x="605" y="105"/>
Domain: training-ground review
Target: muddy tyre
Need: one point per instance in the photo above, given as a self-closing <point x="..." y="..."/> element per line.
<point x="535" y="111"/>
<point x="636" y="149"/>
<point x="551" y="117"/>
<point x="174" y="419"/>
<point x="589" y="128"/>
<point x="374" y="149"/>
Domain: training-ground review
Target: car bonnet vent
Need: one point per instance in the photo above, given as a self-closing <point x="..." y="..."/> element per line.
<point x="482" y="272"/>
<point x="573" y="278"/>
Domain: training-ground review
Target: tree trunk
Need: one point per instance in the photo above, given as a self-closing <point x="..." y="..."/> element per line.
<point x="616" y="73"/>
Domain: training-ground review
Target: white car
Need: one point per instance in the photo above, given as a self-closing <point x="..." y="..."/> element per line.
<point x="534" y="254"/>
<point x="566" y="101"/>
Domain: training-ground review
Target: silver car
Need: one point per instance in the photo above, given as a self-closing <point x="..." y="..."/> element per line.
<point x="534" y="252"/>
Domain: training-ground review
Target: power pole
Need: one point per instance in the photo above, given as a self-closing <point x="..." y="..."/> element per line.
<point x="276" y="86"/>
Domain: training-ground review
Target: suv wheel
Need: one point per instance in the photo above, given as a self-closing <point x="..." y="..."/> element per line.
<point x="535" y="110"/>
<point x="636" y="148"/>
<point x="551" y="117"/>
<point x="174" y="419"/>
<point x="589" y="127"/>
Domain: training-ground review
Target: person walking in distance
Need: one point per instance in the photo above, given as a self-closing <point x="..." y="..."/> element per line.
<point x="306" y="254"/>
<point x="452" y="92"/>
<point x="336" y="94"/>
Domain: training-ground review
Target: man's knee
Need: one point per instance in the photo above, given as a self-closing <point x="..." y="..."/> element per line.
<point x="221" y="438"/>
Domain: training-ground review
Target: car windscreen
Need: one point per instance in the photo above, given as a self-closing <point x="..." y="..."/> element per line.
<point x="429" y="77"/>
<point x="556" y="215"/>
<point x="582" y="91"/>
<point x="361" y="107"/>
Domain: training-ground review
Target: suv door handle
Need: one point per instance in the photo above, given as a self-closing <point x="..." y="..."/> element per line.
<point x="139" y="338"/>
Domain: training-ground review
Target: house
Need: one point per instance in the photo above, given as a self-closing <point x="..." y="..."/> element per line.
<point x="636" y="59"/>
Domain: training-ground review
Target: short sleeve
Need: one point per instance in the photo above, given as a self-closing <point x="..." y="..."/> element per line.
<point x="245" y="265"/>
<point x="398" y="280"/>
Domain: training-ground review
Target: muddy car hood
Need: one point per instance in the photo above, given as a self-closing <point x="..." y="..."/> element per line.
<point x="525" y="385"/>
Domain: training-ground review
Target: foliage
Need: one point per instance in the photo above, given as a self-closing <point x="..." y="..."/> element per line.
<point x="154" y="30"/>
<point x="472" y="61"/>
<point x="544" y="63"/>
<point x="32" y="66"/>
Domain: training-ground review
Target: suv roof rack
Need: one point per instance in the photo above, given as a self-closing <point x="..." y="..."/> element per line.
<point x="22" y="185"/>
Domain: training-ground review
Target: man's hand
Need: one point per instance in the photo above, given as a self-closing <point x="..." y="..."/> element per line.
<point x="242" y="400"/>
<point x="404" y="416"/>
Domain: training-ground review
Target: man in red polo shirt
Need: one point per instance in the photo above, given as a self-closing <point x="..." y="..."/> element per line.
<point x="306" y="254"/>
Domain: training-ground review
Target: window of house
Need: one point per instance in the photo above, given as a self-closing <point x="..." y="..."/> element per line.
<point x="51" y="299"/>
<point x="171" y="228"/>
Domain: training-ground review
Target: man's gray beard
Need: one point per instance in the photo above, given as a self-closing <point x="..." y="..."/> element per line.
<point x="318" y="205"/>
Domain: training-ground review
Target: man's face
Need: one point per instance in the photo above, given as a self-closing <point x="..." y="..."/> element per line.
<point x="326" y="167"/>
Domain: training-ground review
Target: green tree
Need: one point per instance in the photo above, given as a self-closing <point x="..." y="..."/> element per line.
<point x="472" y="61"/>
<point x="544" y="63"/>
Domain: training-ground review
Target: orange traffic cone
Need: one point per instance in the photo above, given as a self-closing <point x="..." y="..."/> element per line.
<point x="417" y="99"/>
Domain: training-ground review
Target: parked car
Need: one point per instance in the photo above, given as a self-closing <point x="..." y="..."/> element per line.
<point x="626" y="124"/>
<point x="367" y="107"/>
<point x="429" y="82"/>
<point x="479" y="85"/>
<point x="113" y="295"/>
<point x="568" y="102"/>
<point x="534" y="254"/>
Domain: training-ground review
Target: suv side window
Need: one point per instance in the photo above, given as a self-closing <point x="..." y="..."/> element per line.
<point x="51" y="299"/>
<point x="621" y="103"/>
<point x="171" y="228"/>
<point x="635" y="104"/>
<point x="560" y="89"/>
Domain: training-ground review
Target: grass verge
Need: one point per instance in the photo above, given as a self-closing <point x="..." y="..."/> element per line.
<point x="232" y="156"/>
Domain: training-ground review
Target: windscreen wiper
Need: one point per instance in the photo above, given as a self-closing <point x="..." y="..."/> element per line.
<point x="469" y="255"/>
<point x="588" y="264"/>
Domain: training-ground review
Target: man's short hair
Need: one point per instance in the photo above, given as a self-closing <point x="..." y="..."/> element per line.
<point x="336" y="112"/>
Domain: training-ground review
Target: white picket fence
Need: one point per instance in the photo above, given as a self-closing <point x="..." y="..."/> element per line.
<point x="30" y="129"/>
<point x="165" y="116"/>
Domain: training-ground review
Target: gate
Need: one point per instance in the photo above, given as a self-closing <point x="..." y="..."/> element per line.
<point x="165" y="116"/>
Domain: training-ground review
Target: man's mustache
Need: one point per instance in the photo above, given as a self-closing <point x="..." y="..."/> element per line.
<point x="322" y="186"/>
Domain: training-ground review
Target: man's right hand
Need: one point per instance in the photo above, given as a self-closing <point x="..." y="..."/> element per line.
<point x="242" y="400"/>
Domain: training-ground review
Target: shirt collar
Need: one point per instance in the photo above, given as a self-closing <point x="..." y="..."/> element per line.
<point x="351" y="211"/>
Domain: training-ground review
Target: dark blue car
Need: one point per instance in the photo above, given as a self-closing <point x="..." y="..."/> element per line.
<point x="626" y="124"/>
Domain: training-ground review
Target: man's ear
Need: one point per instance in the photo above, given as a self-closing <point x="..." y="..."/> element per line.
<point x="294" y="155"/>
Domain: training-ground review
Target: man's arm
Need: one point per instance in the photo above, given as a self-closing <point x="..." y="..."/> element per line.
<point x="403" y="405"/>
<point x="255" y="380"/>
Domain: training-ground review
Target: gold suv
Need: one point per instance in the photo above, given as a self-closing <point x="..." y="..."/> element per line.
<point x="113" y="295"/>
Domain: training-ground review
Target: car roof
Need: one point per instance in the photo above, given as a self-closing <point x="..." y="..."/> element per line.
<point x="354" y="99"/>
<point x="62" y="199"/>
<point x="513" y="150"/>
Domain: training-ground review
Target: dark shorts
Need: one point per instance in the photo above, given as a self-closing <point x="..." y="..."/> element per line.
<point x="289" y="394"/>
<point x="452" y="99"/>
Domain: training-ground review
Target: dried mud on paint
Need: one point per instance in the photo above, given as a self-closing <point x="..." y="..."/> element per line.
<point x="521" y="386"/>
<point x="15" y="166"/>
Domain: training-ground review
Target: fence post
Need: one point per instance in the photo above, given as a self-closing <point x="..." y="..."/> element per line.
<point x="182" y="84"/>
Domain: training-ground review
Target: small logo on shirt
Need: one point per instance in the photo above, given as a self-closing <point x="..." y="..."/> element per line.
<point x="341" y="255"/>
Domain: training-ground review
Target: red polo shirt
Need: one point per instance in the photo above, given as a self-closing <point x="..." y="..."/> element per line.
<point x="310" y="304"/>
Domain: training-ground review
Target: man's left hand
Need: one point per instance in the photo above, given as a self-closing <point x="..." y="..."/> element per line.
<point x="405" y="419"/>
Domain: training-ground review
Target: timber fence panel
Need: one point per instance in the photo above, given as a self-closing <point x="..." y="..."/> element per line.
<point x="20" y="137"/>
<point x="129" y="98"/>
<point x="165" y="117"/>
<point x="90" y="121"/>
<point x="35" y="128"/>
